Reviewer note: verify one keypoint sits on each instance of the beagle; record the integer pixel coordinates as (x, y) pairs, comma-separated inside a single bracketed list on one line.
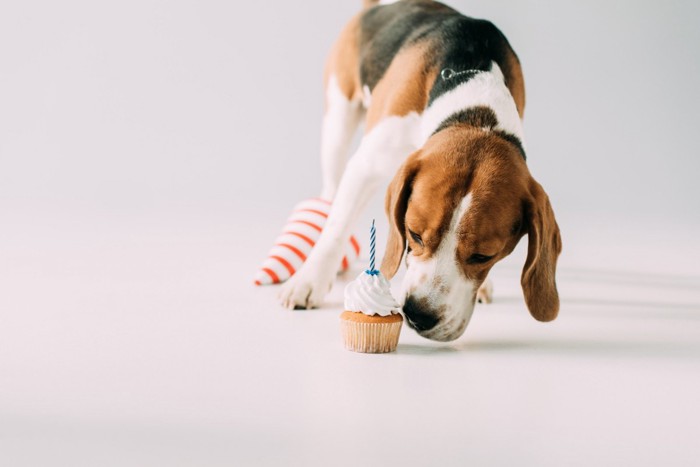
[(442, 98)]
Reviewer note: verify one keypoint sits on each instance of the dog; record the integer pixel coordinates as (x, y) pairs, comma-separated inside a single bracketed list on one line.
[(442, 97)]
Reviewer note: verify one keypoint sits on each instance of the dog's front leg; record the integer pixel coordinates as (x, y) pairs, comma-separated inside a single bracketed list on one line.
[(311, 283), (380, 153), (340, 122)]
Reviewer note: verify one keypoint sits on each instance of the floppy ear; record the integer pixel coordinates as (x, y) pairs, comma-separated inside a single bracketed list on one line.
[(544, 245), (396, 204)]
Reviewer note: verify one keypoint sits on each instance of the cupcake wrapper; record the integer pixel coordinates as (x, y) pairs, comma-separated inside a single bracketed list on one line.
[(370, 337)]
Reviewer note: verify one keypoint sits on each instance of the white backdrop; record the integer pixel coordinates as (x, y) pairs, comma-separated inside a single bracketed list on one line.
[(154, 106)]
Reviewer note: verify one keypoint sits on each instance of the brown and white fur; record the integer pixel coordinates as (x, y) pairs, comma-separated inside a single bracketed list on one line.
[(442, 97)]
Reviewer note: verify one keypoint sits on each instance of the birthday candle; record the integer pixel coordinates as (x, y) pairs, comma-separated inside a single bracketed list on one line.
[(372, 247)]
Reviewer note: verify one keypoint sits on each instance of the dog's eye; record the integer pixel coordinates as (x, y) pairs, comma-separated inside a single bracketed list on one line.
[(479, 259), (416, 238)]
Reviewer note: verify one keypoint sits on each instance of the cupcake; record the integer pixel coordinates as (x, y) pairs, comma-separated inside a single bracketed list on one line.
[(371, 322)]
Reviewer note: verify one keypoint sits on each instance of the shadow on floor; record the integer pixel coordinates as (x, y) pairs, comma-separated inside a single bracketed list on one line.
[(562, 348), (665, 310), (621, 277)]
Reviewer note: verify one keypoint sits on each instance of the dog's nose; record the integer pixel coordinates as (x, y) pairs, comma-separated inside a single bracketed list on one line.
[(419, 317)]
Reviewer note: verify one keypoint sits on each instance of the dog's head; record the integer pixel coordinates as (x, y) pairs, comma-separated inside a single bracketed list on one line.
[(460, 205)]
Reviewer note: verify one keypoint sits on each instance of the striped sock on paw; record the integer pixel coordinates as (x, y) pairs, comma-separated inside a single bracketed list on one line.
[(298, 237)]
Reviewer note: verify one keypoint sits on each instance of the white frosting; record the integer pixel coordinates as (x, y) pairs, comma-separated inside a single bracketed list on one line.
[(371, 295)]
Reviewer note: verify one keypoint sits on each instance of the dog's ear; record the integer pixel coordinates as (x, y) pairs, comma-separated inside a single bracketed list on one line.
[(544, 245), (396, 204)]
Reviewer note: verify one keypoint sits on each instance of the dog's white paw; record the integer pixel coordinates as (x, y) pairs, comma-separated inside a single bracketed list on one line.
[(305, 289), (485, 292)]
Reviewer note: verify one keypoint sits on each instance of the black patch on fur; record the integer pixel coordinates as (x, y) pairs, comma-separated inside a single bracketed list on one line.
[(386, 29), (469, 44), (481, 117), (461, 43)]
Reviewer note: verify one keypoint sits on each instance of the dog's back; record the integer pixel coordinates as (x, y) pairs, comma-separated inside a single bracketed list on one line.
[(449, 40)]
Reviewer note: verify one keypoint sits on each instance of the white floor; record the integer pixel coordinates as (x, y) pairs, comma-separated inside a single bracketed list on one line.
[(143, 343)]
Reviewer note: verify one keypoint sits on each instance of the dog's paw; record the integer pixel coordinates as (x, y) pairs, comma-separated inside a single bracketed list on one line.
[(304, 290), (485, 292)]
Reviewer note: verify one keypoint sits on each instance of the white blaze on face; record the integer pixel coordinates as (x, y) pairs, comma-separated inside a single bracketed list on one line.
[(440, 283)]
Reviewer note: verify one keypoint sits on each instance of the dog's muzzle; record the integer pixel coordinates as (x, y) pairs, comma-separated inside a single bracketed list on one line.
[(443, 323)]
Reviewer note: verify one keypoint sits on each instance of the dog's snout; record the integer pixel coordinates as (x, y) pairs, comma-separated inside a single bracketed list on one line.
[(419, 316)]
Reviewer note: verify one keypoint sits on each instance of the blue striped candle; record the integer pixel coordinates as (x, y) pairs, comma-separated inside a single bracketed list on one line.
[(372, 249)]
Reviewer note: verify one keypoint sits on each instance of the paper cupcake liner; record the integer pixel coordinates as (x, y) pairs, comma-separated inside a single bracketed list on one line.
[(370, 337)]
